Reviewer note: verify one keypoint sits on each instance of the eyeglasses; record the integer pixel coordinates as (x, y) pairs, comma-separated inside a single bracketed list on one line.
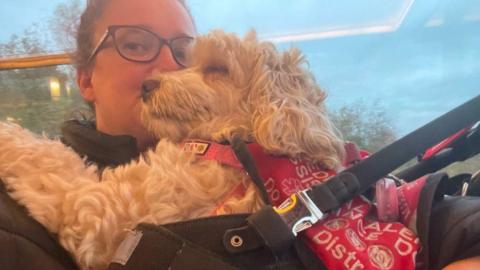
[(137, 44)]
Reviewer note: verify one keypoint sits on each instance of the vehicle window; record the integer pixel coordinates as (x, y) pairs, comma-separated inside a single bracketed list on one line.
[(388, 67), (41, 98)]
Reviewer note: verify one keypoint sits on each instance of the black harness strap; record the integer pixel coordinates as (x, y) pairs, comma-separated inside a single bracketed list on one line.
[(333, 194), (248, 162)]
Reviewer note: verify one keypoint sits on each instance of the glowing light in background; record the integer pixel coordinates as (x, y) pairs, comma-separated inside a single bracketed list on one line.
[(13, 120), (55, 92)]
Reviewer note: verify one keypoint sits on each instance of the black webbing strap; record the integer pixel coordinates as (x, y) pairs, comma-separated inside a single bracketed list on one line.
[(243, 155), (272, 229), (333, 193)]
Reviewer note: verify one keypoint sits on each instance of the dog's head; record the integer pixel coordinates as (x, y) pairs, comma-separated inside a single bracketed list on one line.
[(248, 88)]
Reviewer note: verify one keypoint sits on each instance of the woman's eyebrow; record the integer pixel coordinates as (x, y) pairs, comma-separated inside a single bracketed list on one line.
[(143, 26), (149, 28)]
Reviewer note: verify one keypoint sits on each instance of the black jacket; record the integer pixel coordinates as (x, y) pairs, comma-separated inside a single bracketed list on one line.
[(99, 148), (24, 243)]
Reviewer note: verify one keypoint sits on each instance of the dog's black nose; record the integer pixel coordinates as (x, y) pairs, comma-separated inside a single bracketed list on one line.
[(148, 87)]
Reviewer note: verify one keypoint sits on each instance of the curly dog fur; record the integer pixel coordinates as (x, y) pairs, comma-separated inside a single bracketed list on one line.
[(233, 86)]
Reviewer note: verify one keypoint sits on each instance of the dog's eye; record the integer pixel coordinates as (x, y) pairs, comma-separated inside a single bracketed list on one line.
[(216, 70)]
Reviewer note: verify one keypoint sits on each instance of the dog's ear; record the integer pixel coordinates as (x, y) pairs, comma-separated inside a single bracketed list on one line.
[(224, 53), (251, 36), (209, 50), (289, 116)]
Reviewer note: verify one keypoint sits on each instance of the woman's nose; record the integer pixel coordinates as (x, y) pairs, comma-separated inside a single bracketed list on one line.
[(148, 87)]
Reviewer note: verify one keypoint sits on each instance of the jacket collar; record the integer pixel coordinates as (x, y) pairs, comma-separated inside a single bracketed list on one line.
[(97, 147)]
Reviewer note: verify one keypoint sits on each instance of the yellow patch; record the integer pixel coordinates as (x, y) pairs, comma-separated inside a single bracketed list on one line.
[(198, 148)]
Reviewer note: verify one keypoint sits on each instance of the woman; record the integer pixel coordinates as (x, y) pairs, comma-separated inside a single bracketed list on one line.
[(111, 66)]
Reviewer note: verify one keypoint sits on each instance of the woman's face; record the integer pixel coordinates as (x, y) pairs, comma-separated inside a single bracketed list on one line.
[(114, 83)]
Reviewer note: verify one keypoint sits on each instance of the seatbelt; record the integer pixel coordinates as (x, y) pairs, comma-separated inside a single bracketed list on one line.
[(278, 226)]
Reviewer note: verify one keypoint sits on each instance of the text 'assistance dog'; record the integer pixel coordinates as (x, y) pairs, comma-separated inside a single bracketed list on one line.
[(233, 87)]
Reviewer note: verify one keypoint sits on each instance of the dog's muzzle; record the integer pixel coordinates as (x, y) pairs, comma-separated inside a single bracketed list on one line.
[(148, 87)]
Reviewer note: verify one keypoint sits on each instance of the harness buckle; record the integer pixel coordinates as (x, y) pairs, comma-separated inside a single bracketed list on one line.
[(299, 212)]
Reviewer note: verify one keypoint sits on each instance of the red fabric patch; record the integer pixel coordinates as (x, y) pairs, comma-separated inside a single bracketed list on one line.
[(350, 239), (284, 176)]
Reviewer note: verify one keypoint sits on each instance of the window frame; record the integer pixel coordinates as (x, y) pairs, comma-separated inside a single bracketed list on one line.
[(36, 61)]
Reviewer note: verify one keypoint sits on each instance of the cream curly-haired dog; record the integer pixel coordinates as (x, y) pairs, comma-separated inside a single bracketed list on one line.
[(234, 86)]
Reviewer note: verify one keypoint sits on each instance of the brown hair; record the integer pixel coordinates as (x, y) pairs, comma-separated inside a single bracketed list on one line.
[(86, 29)]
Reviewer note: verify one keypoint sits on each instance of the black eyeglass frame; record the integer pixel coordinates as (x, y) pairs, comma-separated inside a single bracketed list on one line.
[(111, 32)]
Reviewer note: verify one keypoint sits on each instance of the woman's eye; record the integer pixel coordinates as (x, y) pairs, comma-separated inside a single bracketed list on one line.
[(217, 70), (179, 54), (134, 46)]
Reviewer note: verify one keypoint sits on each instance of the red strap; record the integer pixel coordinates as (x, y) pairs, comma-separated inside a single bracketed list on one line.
[(443, 144), (213, 151)]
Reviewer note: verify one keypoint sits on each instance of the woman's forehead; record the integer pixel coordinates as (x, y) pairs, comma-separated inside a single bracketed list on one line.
[(167, 18)]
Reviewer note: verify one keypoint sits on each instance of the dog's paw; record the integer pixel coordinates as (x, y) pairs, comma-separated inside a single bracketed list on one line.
[(26, 154), (11, 133)]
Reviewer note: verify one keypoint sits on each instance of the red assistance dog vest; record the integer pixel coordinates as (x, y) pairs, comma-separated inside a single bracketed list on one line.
[(360, 235)]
